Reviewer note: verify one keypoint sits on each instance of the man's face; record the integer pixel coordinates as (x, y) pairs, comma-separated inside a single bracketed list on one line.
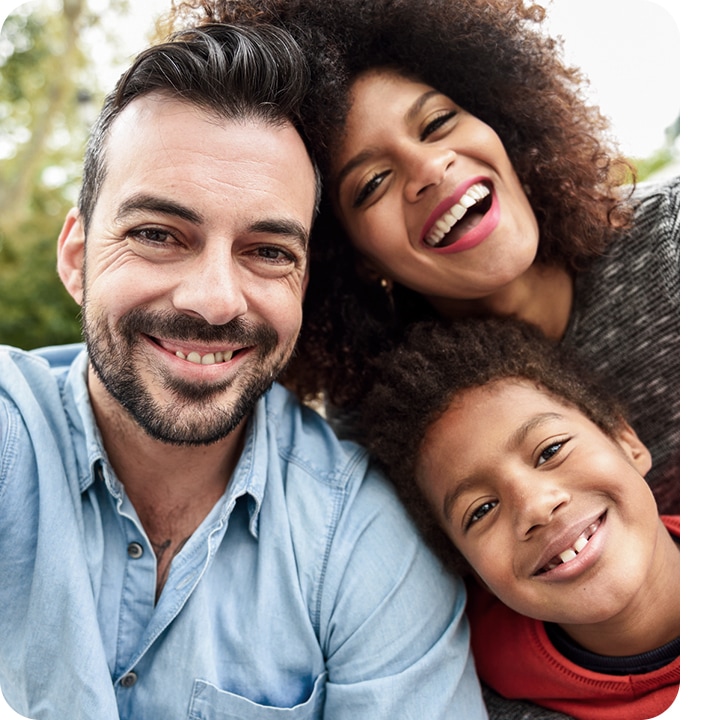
[(194, 266)]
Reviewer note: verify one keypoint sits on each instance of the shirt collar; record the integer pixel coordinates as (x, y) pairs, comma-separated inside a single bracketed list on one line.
[(249, 476)]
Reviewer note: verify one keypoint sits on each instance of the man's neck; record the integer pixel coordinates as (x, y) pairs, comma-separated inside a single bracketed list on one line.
[(171, 487)]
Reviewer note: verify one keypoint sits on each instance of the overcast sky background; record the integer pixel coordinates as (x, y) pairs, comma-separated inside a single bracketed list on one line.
[(630, 50)]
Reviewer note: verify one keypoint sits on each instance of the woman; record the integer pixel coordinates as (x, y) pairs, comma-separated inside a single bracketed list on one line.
[(425, 112)]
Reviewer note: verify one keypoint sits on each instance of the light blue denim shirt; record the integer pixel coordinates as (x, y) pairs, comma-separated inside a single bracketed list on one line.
[(305, 593)]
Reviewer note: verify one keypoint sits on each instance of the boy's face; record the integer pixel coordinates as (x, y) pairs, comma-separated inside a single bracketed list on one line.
[(554, 515)]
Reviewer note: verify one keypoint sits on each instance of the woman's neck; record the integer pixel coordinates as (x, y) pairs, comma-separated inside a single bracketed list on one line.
[(542, 296)]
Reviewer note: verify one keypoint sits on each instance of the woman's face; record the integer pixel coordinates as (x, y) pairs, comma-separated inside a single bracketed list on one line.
[(427, 192)]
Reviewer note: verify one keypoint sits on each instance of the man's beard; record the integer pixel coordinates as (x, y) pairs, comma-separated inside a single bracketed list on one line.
[(189, 417)]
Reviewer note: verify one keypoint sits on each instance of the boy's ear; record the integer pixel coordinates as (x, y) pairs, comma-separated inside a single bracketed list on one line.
[(71, 253), (634, 448)]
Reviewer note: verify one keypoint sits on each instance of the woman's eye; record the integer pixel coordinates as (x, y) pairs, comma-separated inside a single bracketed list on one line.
[(436, 123), (368, 189), (481, 511), (550, 451)]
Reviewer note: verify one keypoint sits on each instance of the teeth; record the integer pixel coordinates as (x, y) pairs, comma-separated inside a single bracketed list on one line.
[(207, 359), (442, 227), (580, 544), (572, 552)]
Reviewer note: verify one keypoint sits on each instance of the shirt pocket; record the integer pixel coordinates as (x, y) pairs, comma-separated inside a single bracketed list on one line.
[(210, 703)]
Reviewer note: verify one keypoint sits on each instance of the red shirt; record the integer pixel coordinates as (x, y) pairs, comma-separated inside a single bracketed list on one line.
[(515, 657)]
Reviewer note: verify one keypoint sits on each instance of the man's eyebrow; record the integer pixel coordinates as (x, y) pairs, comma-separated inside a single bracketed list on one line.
[(282, 226), (514, 441), (364, 155), (153, 203)]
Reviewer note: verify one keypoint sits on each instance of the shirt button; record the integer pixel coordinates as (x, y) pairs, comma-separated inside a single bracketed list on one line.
[(135, 550), (129, 680)]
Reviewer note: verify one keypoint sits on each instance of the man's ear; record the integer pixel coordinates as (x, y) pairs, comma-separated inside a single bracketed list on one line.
[(634, 448), (71, 254)]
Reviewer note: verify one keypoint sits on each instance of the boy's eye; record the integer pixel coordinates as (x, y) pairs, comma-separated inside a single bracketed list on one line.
[(436, 123), (550, 451), (480, 511)]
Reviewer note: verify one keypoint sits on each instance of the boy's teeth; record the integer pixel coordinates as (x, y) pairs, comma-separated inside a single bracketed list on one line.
[(580, 544), (570, 553)]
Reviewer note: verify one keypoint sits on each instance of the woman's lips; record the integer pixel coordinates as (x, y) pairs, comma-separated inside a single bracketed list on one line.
[(463, 220), (472, 198)]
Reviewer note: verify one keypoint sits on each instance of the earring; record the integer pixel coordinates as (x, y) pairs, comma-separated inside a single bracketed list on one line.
[(387, 285)]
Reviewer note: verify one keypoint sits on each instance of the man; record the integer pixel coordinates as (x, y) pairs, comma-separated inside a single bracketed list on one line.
[(178, 537)]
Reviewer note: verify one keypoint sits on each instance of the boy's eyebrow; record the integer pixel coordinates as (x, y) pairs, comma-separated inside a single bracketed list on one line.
[(521, 433), (515, 440)]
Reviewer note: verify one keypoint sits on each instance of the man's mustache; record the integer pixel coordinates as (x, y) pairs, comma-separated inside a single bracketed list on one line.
[(173, 326)]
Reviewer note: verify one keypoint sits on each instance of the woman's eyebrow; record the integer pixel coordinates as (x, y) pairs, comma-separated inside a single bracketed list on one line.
[(364, 155)]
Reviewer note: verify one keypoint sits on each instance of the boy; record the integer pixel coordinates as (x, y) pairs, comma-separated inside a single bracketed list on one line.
[(538, 481)]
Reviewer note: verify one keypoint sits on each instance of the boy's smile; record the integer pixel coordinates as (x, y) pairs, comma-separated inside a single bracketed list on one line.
[(553, 514)]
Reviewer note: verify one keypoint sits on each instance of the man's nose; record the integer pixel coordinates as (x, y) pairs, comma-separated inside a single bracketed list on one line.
[(213, 287)]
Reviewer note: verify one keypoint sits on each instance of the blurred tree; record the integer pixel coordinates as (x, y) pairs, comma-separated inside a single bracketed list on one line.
[(49, 95), (665, 159)]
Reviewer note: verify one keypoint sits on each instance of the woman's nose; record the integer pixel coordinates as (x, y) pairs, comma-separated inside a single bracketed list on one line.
[(427, 166)]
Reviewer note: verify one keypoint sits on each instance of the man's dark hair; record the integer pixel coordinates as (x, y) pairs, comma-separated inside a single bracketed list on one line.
[(416, 382), (232, 72)]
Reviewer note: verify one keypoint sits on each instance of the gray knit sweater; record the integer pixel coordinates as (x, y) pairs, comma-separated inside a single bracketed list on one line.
[(625, 323)]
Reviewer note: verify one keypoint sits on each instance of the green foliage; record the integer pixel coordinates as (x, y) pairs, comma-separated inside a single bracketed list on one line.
[(43, 127), (664, 157)]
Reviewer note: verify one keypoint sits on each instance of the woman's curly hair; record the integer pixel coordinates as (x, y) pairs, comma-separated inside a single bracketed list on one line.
[(494, 59), (416, 382)]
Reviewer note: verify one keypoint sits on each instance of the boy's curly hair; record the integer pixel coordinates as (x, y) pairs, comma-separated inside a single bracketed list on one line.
[(493, 58), (437, 360)]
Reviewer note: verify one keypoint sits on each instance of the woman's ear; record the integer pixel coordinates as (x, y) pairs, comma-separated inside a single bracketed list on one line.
[(634, 448), (367, 270), (71, 254)]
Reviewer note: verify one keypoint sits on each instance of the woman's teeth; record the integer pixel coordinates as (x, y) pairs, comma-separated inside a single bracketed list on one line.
[(473, 195), (207, 359)]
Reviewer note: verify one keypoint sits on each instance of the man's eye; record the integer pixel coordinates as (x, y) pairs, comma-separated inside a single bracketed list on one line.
[(550, 451), (436, 123), (150, 235), (368, 188), (275, 254)]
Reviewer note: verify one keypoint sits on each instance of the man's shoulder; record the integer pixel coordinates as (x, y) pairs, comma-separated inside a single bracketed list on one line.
[(50, 360), (306, 440)]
